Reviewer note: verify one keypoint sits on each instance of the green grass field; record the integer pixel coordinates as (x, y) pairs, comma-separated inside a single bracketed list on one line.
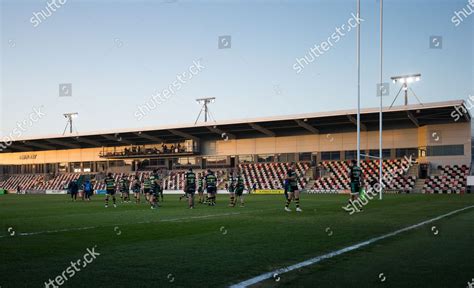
[(219, 246)]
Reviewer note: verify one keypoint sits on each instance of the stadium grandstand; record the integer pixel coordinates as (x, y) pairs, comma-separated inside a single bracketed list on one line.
[(321, 144)]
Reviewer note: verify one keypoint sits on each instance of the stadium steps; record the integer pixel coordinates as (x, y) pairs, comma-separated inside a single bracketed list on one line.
[(413, 171), (420, 183), (309, 185)]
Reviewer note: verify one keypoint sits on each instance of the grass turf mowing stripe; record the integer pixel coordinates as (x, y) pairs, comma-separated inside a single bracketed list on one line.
[(141, 222), (268, 275)]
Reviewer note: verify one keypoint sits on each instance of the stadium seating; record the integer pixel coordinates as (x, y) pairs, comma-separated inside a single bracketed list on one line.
[(452, 180), (25, 181), (338, 178), (271, 175)]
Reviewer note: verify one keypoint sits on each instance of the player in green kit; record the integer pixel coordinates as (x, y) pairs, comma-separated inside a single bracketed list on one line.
[(356, 178), (110, 189), (136, 188), (190, 186), (231, 188), (239, 189), (200, 189), (147, 187), (211, 187), (124, 189), (155, 189), (293, 192)]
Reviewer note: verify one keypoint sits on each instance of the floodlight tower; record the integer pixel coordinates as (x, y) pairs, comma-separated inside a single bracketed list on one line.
[(405, 80), (204, 102), (69, 117)]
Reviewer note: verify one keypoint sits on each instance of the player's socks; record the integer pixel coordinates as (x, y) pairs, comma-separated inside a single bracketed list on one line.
[(297, 202), (288, 201)]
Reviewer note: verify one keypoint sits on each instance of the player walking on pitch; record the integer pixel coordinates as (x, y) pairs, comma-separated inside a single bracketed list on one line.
[(293, 192), (200, 189), (190, 187), (211, 187), (356, 177), (110, 189), (231, 188), (239, 189), (136, 188)]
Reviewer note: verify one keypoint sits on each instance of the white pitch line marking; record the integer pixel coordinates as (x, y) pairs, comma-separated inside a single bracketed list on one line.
[(268, 275), (142, 222)]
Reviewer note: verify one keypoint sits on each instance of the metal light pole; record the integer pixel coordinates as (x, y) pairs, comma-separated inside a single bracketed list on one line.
[(358, 85), (381, 104), (204, 102), (69, 117)]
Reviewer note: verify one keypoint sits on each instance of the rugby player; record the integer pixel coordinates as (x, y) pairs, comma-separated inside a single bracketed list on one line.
[(190, 187), (239, 189), (110, 189), (211, 187), (231, 188), (356, 178), (200, 189), (136, 188), (147, 187), (125, 189), (293, 192)]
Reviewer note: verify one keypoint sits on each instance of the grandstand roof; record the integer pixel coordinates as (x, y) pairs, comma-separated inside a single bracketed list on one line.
[(398, 117)]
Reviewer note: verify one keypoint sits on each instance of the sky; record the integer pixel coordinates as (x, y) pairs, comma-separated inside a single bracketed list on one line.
[(117, 55)]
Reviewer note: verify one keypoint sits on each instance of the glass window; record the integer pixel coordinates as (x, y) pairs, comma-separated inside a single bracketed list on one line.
[(266, 158), (246, 159), (350, 155), (402, 152), (445, 150), (305, 156), (331, 156)]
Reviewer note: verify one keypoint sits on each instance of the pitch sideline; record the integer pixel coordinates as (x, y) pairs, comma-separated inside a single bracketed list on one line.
[(268, 275)]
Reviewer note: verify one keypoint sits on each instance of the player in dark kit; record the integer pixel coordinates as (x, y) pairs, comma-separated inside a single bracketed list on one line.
[(136, 188), (155, 189), (125, 189), (73, 189), (110, 188), (190, 187), (286, 186), (147, 188), (293, 192), (356, 178), (211, 187), (231, 188), (239, 189), (200, 189)]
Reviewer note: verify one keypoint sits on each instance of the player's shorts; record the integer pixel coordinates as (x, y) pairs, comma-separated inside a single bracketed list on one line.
[(211, 190), (239, 191), (231, 189), (355, 188), (110, 192), (190, 191), (146, 190), (200, 190), (136, 191), (292, 188)]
